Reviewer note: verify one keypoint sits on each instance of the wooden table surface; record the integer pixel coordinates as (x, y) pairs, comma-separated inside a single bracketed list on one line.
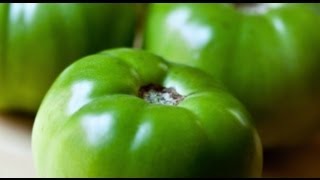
[(16, 156)]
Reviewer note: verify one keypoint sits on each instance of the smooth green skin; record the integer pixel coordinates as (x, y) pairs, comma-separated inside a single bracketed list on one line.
[(269, 60), (38, 40), (93, 124)]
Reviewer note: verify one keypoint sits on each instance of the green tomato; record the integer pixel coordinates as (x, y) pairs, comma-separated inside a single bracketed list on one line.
[(38, 40), (129, 113), (267, 55)]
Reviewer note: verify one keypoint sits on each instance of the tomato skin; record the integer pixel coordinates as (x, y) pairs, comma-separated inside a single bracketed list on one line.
[(269, 59), (38, 40), (92, 123)]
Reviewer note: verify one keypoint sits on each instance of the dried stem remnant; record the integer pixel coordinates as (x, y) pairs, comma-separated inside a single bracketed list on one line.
[(156, 94)]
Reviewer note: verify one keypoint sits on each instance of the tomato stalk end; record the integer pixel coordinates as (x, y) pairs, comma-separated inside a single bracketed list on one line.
[(156, 94)]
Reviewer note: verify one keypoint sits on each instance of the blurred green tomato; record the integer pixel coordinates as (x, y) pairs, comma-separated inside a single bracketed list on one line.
[(266, 54), (38, 40)]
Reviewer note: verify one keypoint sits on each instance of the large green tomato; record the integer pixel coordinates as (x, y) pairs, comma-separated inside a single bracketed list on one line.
[(129, 113), (38, 40), (267, 55)]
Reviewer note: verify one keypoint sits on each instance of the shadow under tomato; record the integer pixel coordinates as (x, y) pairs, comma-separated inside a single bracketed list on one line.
[(302, 161)]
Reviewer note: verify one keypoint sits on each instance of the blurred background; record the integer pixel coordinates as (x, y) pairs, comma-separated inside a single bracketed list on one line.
[(15, 146), (15, 129)]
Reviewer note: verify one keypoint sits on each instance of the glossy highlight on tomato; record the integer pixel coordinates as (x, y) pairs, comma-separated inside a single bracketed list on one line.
[(129, 113)]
